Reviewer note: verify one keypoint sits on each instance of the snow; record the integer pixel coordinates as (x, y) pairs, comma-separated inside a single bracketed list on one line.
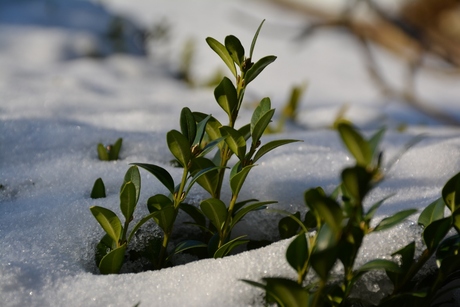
[(57, 104)]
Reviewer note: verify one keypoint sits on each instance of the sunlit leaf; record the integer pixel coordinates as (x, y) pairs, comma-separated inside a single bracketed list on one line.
[(108, 220), (297, 252), (249, 208), (451, 193), (112, 262), (407, 259), (188, 124), (433, 212), (355, 143), (235, 49), (226, 96), (258, 67), (327, 208), (357, 182), (194, 213), (114, 151), (371, 212), (435, 232), (186, 245), (162, 175), (254, 39), (208, 179), (179, 147), (237, 180), (270, 146), (259, 127), (200, 130), (379, 264), (105, 245), (375, 141), (158, 202), (215, 210), (289, 227), (98, 190), (324, 255), (223, 53), (165, 217), (234, 140), (226, 248), (212, 126), (203, 174), (395, 219), (128, 200), (133, 175)]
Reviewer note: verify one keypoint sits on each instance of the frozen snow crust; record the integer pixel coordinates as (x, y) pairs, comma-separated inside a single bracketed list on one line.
[(53, 112)]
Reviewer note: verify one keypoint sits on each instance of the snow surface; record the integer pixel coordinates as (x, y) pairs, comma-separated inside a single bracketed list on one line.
[(56, 105)]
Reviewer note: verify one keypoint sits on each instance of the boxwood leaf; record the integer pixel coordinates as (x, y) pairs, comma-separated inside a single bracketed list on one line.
[(254, 39), (215, 210), (451, 193), (202, 175), (258, 67), (270, 146), (133, 175), (263, 107), (162, 175), (328, 209), (103, 248), (226, 248), (108, 220), (371, 212), (188, 124), (433, 212), (375, 141), (407, 259), (395, 219), (186, 245), (324, 255), (297, 253), (249, 208), (260, 126), (179, 147), (194, 213), (289, 227), (98, 190), (235, 49), (200, 130), (380, 264), (102, 152), (128, 200), (223, 53), (112, 262), (436, 231), (356, 181), (234, 140), (208, 180), (114, 151), (226, 96), (165, 217), (356, 144), (238, 178)]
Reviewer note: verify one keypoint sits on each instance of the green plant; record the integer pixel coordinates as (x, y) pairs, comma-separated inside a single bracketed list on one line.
[(98, 190), (333, 230), (109, 152), (199, 135)]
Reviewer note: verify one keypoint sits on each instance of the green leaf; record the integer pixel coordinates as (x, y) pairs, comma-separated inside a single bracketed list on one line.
[(263, 107), (324, 255), (258, 67), (451, 193), (133, 175), (138, 225), (357, 182), (284, 292), (259, 127), (200, 131), (225, 249), (379, 264), (436, 231), (237, 180), (186, 245), (407, 259), (194, 213), (226, 96), (249, 208), (98, 190), (108, 220), (434, 212), (288, 227), (448, 248), (245, 131), (102, 152), (371, 212), (162, 175), (375, 140), (212, 126), (270, 146), (327, 208), (158, 202), (188, 124), (203, 173), (112, 262), (179, 147), (128, 200), (114, 151), (254, 39), (210, 146), (356, 144), (297, 253), (209, 179), (235, 49), (235, 141), (165, 217), (395, 219), (223, 53), (242, 204), (215, 210), (103, 248)]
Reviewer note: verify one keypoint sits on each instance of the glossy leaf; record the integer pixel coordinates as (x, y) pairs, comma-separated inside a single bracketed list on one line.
[(212, 126), (200, 131), (158, 202), (209, 179), (226, 248), (297, 253), (102, 152), (237, 180), (194, 213), (245, 131), (128, 200), (249, 208), (188, 124), (379, 264), (433, 212), (264, 149), (98, 190), (215, 210), (436, 231), (242, 204), (235, 49), (133, 175), (325, 207), (203, 173), (357, 182), (210, 146), (105, 245), (451, 193), (112, 262), (186, 245), (324, 255), (226, 96), (395, 219), (263, 107), (109, 221), (261, 125), (165, 217), (258, 67), (234, 140), (356, 144), (254, 39), (160, 173), (179, 147), (223, 53)]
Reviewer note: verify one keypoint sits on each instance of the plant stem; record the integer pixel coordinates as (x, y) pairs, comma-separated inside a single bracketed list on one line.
[(227, 227)]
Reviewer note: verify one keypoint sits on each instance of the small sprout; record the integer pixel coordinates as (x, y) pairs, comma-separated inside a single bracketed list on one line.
[(109, 152), (98, 190)]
